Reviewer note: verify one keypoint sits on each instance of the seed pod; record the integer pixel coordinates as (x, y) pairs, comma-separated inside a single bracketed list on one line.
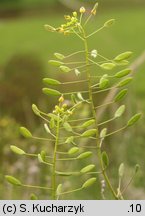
[(88, 123), (134, 119), (121, 170), (59, 190), (12, 180), (122, 63), (47, 128), (94, 10), (105, 159), (59, 56), (109, 23), (103, 133), (89, 133), (77, 72), (25, 132), (73, 150), (17, 150), (49, 91), (89, 182), (137, 167), (51, 81), (103, 83), (35, 110), (43, 155), (80, 96), (33, 197), (52, 123), (119, 111), (65, 69), (120, 95), (40, 159), (69, 139), (49, 28), (84, 155), (107, 66), (55, 63), (124, 82), (87, 168), (73, 98), (64, 173), (123, 73), (67, 126), (123, 56)]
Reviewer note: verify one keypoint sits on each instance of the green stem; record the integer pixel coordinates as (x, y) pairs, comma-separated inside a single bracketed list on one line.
[(36, 187), (53, 194), (95, 117)]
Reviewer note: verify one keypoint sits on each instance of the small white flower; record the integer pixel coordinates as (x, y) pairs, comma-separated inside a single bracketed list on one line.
[(94, 53)]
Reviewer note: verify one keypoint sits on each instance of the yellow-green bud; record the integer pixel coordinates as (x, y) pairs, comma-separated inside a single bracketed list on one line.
[(67, 17), (64, 106), (75, 14), (61, 99), (82, 10)]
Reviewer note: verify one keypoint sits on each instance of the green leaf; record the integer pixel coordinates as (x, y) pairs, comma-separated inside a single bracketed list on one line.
[(49, 91), (35, 110), (51, 81), (109, 23), (108, 66), (89, 133), (33, 197), (25, 132), (85, 155), (73, 150), (88, 123), (17, 150), (12, 180), (123, 73), (121, 170), (67, 127), (123, 56), (120, 95), (119, 111), (103, 133), (89, 183), (105, 159), (124, 82), (55, 63), (59, 56), (134, 119), (58, 189), (87, 168), (65, 69)]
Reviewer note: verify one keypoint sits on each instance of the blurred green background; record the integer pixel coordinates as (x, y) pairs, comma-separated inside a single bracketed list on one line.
[(25, 48)]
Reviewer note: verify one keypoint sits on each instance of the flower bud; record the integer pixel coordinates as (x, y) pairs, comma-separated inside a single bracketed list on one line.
[(61, 99), (82, 10), (75, 14)]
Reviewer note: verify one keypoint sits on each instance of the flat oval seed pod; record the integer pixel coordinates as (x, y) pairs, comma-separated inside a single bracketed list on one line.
[(88, 123), (65, 69), (123, 73), (124, 82), (105, 159), (25, 132), (123, 56), (89, 182), (85, 155), (40, 159), (119, 111), (67, 126), (51, 81), (63, 173), (120, 95), (134, 119), (89, 133), (73, 150), (87, 168), (49, 28), (49, 91), (35, 110), (108, 66), (103, 133), (12, 180), (59, 56), (121, 170), (109, 23), (69, 139), (103, 83), (17, 150), (59, 190), (55, 63)]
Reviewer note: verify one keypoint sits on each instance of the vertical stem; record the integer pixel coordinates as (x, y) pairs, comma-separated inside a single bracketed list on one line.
[(99, 153), (53, 178)]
